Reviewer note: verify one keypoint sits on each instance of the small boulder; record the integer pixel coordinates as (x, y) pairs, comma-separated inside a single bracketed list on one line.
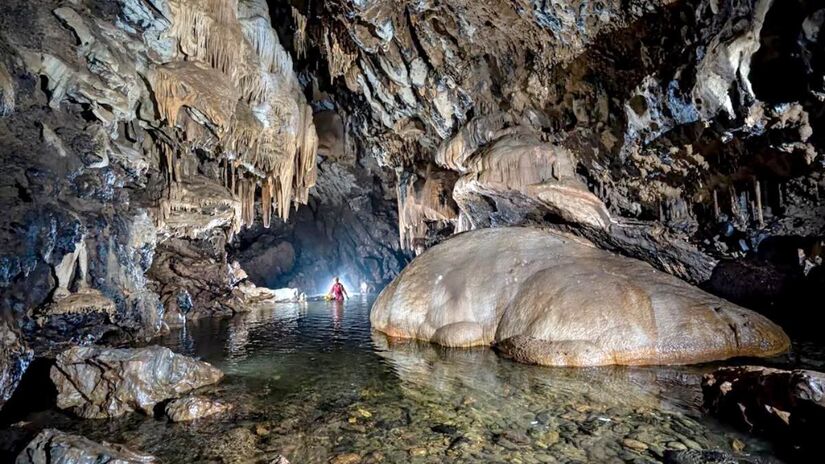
[(54, 446), (193, 407), (96, 382)]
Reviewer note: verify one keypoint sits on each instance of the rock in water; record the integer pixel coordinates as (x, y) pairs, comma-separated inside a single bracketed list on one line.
[(56, 447), (787, 406), (551, 299), (96, 382), (193, 407), (15, 358)]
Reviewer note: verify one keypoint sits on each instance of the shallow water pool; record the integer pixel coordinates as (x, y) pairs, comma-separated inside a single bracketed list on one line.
[(313, 383)]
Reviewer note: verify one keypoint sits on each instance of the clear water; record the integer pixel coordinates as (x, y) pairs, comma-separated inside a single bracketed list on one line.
[(313, 383)]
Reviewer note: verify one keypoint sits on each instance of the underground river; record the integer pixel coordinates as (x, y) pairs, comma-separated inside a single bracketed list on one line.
[(313, 383)]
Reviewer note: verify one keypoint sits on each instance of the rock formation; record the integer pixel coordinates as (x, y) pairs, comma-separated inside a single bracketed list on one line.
[(786, 406), (133, 125), (109, 382), (54, 446), (15, 357), (193, 407), (681, 146), (551, 299)]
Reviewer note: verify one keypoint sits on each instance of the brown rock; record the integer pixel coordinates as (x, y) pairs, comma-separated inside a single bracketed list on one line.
[(193, 407), (348, 458), (551, 299), (96, 382), (54, 446), (634, 444)]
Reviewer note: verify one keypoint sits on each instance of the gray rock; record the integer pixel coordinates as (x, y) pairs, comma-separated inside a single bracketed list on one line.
[(15, 358), (97, 382), (55, 447), (193, 407)]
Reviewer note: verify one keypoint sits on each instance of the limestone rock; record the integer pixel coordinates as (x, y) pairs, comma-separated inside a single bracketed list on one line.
[(54, 446), (552, 299), (523, 175), (193, 407), (15, 358), (95, 382), (86, 301), (787, 406)]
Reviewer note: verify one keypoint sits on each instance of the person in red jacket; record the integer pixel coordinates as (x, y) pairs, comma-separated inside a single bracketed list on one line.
[(338, 292)]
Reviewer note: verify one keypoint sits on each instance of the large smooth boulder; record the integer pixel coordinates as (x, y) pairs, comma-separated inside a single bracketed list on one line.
[(55, 447), (96, 382), (787, 406), (551, 299)]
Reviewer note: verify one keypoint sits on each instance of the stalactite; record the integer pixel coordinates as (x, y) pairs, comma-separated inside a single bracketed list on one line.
[(242, 100), (266, 201), (420, 201), (300, 37), (340, 61)]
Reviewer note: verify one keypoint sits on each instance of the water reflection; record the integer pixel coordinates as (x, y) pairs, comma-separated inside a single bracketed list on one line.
[(320, 383)]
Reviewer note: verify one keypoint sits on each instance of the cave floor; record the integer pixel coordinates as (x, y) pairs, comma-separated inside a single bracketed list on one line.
[(313, 383)]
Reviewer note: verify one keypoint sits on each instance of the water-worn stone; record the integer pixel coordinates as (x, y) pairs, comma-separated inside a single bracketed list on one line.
[(787, 406), (55, 447), (95, 382), (551, 299), (193, 407)]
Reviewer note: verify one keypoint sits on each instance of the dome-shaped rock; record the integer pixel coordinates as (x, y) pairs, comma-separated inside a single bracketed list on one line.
[(551, 299)]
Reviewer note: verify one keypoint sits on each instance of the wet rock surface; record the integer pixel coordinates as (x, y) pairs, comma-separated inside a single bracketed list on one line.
[(193, 407), (564, 303), (109, 382), (15, 358), (787, 406), (54, 446)]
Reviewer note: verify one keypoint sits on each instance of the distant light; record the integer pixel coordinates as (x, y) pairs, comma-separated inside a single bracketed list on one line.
[(364, 287)]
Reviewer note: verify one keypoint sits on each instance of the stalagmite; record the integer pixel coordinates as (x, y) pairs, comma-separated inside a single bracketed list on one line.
[(75, 261), (716, 212), (734, 202), (758, 194)]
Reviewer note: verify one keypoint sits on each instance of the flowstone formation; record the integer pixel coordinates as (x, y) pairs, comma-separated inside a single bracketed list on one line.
[(555, 300)]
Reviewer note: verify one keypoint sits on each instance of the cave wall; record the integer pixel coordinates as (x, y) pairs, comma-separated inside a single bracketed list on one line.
[(138, 138), (684, 133)]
